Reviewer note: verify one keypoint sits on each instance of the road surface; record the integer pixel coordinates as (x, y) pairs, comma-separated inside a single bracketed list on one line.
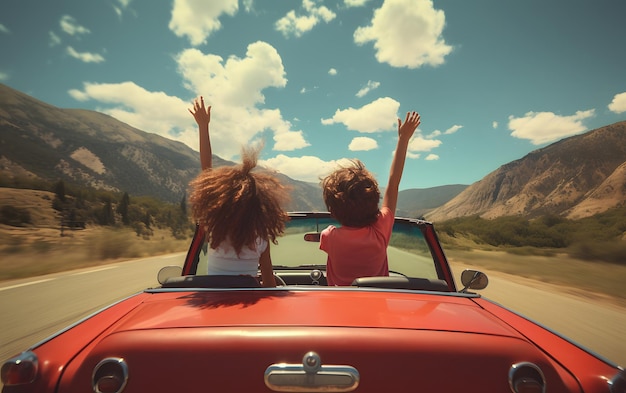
[(32, 309)]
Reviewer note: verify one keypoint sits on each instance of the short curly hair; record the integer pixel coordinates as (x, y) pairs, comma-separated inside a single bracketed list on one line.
[(238, 204), (351, 195)]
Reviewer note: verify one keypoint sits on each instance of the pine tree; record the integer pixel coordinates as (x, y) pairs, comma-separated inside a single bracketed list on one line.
[(122, 208)]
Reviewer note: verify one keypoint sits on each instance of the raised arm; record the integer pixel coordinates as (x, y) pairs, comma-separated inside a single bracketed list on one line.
[(203, 118), (405, 132)]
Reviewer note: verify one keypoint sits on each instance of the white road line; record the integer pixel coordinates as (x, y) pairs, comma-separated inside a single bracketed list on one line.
[(25, 284), (94, 270)]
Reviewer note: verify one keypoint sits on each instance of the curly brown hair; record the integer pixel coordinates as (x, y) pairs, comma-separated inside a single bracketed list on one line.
[(235, 203), (351, 195)]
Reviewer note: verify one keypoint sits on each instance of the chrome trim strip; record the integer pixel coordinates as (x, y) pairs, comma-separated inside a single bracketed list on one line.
[(304, 288)]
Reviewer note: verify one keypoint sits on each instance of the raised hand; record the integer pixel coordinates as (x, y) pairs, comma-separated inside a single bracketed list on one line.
[(201, 113), (411, 122)]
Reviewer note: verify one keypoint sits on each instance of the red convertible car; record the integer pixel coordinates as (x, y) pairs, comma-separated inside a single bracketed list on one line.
[(413, 331)]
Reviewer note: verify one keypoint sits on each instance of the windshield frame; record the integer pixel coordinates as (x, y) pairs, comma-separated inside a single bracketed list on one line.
[(322, 220)]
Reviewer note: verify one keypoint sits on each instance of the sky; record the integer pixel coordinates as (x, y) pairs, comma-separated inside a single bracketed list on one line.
[(323, 81)]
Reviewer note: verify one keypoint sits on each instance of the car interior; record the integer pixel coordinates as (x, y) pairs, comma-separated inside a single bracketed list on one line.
[(298, 261)]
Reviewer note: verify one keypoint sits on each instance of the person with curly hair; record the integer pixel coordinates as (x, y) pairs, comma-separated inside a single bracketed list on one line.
[(239, 209), (358, 248)]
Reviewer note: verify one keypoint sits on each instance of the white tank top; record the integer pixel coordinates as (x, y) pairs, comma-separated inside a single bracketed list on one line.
[(225, 261)]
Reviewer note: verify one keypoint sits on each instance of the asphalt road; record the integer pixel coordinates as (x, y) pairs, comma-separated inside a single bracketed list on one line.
[(33, 309)]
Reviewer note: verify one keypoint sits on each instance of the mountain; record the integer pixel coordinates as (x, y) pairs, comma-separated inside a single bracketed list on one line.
[(417, 202), (575, 177), (88, 148)]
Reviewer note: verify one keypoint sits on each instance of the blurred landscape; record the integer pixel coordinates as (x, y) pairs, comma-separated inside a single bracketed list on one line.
[(582, 256), (79, 188)]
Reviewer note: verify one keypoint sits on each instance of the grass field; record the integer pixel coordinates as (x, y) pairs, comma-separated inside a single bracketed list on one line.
[(578, 276), (28, 252)]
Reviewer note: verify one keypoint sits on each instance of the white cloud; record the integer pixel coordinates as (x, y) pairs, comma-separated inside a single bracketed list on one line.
[(85, 57), (419, 143), (54, 39), (449, 131), (431, 157), (452, 129), (248, 5), (412, 155), (293, 24), (406, 33), (196, 20), (306, 90), (362, 143), (236, 81), (4, 29), (304, 168), (354, 3), (332, 71), (371, 85), (285, 139), (235, 87), (545, 127), (290, 140), (123, 6), (379, 115), (4, 76), (618, 105), (71, 27), (494, 124)]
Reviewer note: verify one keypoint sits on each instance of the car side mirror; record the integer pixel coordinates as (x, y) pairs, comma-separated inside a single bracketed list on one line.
[(168, 272), (473, 279)]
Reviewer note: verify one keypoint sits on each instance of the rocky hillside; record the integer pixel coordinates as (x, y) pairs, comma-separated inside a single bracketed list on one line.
[(92, 149), (417, 202), (575, 177)]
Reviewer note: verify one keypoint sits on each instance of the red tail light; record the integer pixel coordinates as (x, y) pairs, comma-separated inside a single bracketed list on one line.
[(618, 383), (20, 370)]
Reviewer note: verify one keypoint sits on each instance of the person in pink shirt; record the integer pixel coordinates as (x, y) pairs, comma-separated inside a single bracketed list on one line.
[(358, 248)]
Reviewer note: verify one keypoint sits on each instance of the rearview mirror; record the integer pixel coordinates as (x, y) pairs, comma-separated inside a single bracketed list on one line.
[(473, 279), (312, 237)]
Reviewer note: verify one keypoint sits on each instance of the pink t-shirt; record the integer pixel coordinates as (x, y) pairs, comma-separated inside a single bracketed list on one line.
[(357, 252)]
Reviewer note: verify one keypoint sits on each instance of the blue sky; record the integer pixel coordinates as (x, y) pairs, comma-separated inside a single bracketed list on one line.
[(323, 81)]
